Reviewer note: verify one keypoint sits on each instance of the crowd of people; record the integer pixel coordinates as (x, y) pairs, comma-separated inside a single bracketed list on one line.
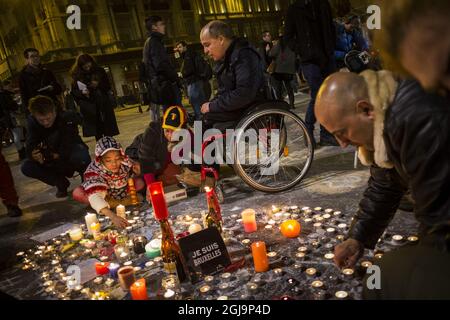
[(399, 125)]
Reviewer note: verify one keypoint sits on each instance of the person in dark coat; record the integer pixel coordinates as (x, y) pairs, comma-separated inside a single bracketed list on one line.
[(35, 79), (164, 84), (402, 134), (348, 38), (264, 47), (92, 92), (191, 69), (55, 149), (239, 74), (309, 31), (284, 70)]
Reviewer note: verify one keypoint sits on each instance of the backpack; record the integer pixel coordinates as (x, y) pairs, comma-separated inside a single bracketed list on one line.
[(204, 70)]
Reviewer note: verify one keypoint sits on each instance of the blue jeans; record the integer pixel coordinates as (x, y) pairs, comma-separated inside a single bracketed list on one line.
[(314, 76), (196, 94), (55, 173)]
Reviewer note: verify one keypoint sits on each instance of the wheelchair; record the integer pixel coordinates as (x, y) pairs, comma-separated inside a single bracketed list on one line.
[(272, 150)]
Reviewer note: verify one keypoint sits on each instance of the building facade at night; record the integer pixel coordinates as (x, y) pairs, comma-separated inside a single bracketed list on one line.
[(113, 31)]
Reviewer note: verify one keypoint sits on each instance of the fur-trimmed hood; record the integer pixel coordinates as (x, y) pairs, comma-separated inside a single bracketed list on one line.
[(382, 87)]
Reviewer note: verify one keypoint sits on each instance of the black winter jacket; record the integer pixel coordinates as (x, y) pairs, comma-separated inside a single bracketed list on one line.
[(240, 79), (59, 138), (417, 138), (310, 32), (31, 80), (189, 68)]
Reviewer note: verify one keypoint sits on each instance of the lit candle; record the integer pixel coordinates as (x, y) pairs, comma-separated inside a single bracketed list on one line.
[(341, 294), (413, 238), (348, 272), (153, 248), (290, 228), (195, 227), (329, 256), (366, 264), (138, 290), (113, 268), (120, 250), (260, 259), (95, 229), (101, 268), (317, 284), (249, 220), (139, 244), (90, 218), (126, 277), (311, 271), (76, 234), (158, 201), (204, 289), (272, 254)]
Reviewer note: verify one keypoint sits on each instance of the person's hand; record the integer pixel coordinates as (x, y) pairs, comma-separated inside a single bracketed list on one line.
[(205, 107), (347, 253), (136, 168), (94, 83), (119, 222), (55, 156), (86, 93), (267, 47), (37, 156)]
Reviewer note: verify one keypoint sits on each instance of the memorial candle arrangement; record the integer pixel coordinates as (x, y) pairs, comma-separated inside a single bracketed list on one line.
[(260, 259), (158, 201), (249, 220), (138, 290)]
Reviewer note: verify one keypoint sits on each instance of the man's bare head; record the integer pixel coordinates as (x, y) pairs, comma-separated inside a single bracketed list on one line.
[(343, 108)]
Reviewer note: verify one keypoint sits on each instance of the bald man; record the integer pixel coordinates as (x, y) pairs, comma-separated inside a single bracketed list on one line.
[(403, 134)]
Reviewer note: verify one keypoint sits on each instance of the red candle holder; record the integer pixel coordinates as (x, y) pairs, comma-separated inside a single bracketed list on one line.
[(158, 201), (101, 268)]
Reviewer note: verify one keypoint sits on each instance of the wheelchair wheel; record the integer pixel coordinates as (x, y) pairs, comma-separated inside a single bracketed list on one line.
[(273, 150)]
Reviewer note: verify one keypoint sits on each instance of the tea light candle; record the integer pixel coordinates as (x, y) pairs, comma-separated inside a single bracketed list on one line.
[(342, 225), (204, 289), (188, 218), (209, 278), (76, 234), (272, 254), (341, 294), (278, 216), (129, 229), (120, 211), (169, 294), (101, 268), (268, 227), (246, 241), (138, 290), (275, 209), (90, 218), (337, 213), (326, 216), (249, 220), (413, 238), (226, 275), (378, 255), (260, 260), (153, 248), (331, 230), (311, 271), (271, 222), (222, 298), (317, 284), (149, 264), (194, 227), (318, 209), (329, 256), (348, 272), (328, 210), (109, 282), (317, 225), (98, 280), (126, 277), (290, 228), (128, 263), (340, 237), (113, 268), (104, 258), (223, 286), (252, 286), (300, 254), (366, 264), (397, 238), (302, 249)]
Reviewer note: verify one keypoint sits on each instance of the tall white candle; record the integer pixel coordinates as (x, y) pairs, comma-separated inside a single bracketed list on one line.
[(90, 218)]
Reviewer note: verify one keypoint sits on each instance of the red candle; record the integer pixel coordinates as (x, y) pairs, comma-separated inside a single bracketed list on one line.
[(138, 290), (249, 220), (158, 201), (260, 259), (101, 268)]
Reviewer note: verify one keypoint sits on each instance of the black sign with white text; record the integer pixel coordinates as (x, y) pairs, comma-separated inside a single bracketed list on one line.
[(204, 252)]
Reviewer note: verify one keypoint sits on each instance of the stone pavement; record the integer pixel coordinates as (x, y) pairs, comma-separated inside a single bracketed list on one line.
[(331, 182)]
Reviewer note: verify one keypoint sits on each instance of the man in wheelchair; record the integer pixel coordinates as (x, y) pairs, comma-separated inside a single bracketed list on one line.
[(239, 73)]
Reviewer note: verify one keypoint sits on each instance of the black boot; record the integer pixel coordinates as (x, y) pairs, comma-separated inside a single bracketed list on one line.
[(13, 211), (61, 187)]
